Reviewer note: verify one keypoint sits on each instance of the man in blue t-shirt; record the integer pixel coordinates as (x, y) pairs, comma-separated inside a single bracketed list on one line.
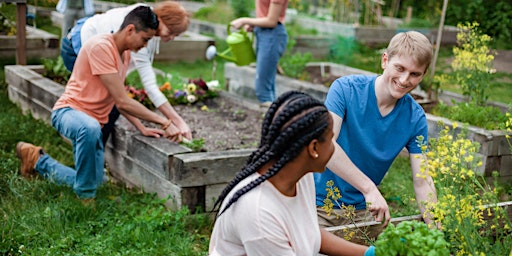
[(374, 119)]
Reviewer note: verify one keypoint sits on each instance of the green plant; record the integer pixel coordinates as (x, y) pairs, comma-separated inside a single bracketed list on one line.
[(411, 238), (7, 27), (211, 13), (293, 64), (55, 70), (242, 8), (196, 145), (466, 208), (487, 117)]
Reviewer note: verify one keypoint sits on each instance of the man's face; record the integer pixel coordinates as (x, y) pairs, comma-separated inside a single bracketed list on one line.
[(139, 40), (402, 74)]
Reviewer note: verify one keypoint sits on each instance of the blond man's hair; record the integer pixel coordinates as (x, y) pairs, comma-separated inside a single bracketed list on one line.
[(413, 44), (173, 15)]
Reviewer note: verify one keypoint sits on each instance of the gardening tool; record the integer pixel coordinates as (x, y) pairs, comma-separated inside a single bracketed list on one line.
[(240, 49)]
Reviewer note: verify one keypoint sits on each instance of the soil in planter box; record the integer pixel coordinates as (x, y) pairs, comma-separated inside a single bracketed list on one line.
[(314, 75), (225, 125)]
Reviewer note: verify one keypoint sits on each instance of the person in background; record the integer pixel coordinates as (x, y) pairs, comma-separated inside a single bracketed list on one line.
[(174, 20), (375, 117), (95, 85), (73, 10), (269, 207), (271, 41)]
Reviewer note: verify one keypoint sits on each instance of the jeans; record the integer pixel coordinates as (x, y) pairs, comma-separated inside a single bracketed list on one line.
[(67, 53), (270, 46), (71, 44), (86, 137)]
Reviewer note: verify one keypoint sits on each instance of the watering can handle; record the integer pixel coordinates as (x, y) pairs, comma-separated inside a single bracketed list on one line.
[(241, 31)]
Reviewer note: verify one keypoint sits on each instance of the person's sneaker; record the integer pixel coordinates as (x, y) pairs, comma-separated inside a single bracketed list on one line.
[(28, 154), (88, 202)]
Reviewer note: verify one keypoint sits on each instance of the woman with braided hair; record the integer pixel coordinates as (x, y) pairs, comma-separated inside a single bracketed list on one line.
[(269, 207)]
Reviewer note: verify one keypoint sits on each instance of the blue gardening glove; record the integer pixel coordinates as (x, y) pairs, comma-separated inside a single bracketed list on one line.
[(370, 251)]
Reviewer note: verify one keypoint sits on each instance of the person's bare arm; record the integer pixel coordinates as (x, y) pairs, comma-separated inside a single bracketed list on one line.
[(128, 106), (269, 21), (423, 186), (342, 166), (334, 245), (146, 131)]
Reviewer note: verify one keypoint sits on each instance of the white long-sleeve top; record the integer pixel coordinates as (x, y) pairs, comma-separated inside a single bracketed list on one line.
[(110, 22)]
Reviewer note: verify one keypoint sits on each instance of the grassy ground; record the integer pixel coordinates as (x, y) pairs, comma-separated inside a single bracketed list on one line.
[(41, 218)]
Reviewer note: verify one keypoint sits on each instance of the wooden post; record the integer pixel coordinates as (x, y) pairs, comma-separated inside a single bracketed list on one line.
[(409, 15), (21, 22)]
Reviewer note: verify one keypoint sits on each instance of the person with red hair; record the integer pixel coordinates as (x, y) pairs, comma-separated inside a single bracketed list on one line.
[(174, 20)]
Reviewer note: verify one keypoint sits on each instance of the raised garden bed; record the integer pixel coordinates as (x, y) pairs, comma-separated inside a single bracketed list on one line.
[(373, 229), (39, 44), (159, 166), (494, 149)]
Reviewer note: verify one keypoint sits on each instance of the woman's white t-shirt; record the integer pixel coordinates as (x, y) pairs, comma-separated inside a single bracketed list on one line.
[(266, 222)]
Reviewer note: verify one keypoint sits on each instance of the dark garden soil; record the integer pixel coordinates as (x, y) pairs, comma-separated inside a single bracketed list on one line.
[(224, 125)]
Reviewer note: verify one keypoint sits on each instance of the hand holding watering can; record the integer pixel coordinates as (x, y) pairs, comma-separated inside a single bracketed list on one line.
[(240, 49)]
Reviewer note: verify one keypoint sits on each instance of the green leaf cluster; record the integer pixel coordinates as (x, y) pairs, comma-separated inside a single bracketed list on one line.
[(487, 117), (411, 238), (55, 70)]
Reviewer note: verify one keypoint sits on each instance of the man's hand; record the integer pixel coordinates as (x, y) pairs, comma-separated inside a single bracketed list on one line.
[(152, 132), (184, 130), (378, 206), (173, 134)]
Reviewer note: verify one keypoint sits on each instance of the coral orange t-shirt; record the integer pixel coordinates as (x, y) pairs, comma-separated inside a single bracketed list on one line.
[(262, 7), (85, 92)]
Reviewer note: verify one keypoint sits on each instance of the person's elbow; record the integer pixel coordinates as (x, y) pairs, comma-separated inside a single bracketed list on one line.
[(123, 104)]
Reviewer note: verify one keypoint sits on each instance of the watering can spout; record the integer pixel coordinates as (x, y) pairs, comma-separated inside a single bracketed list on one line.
[(211, 52)]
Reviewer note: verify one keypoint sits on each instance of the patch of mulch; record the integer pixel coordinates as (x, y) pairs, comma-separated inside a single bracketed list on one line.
[(224, 125)]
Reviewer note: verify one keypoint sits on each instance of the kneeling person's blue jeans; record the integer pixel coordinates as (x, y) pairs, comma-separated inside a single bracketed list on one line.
[(85, 134), (67, 53)]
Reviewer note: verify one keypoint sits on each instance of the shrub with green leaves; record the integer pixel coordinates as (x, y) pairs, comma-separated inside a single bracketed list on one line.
[(411, 238), (487, 117)]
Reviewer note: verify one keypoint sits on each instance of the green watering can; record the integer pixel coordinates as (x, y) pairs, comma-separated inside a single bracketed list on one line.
[(240, 49)]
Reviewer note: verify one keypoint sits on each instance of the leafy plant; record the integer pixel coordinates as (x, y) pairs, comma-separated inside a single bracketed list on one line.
[(487, 117), (197, 145), (411, 238), (55, 70), (7, 27)]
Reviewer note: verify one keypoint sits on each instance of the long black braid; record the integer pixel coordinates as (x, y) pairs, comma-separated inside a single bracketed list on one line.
[(291, 122)]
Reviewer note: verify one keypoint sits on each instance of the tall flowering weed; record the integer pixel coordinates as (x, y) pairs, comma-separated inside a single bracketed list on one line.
[(466, 208), (473, 62)]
